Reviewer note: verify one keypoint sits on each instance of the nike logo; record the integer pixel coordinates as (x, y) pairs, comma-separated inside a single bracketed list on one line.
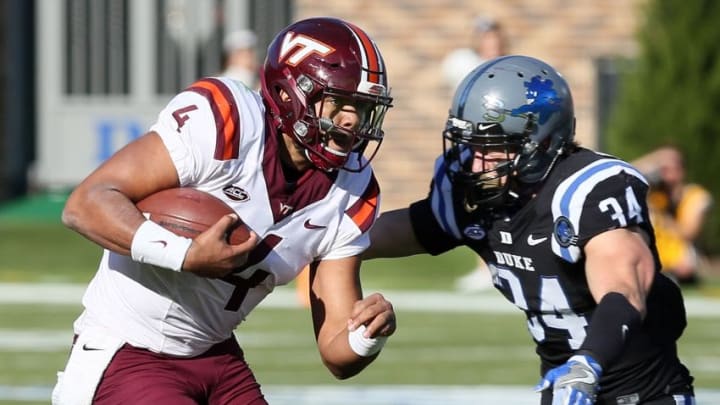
[(625, 330), (308, 225), (586, 378), (88, 348), (532, 241), (485, 127), (162, 242)]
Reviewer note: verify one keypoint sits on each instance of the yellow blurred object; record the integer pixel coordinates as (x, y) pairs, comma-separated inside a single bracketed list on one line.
[(677, 211), (673, 250), (658, 200), (675, 247)]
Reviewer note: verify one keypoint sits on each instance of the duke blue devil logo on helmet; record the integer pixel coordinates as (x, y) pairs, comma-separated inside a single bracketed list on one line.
[(544, 100)]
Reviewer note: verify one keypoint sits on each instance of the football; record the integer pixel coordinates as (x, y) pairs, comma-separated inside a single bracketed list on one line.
[(188, 212)]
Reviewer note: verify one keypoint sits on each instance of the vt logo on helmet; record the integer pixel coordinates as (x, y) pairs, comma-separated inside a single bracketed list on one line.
[(302, 47)]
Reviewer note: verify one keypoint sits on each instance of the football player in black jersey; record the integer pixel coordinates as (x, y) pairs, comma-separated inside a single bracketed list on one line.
[(565, 231)]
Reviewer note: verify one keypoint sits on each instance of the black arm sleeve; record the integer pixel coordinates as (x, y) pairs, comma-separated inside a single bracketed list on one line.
[(427, 230), (613, 321)]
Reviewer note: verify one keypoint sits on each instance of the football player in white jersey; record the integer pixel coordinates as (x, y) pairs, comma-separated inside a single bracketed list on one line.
[(566, 234), (293, 162)]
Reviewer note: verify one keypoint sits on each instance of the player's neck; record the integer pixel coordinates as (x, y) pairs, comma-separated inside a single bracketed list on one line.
[(292, 156)]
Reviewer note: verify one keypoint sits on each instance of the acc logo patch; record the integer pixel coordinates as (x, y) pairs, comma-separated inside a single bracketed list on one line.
[(564, 232), (236, 193), (475, 232)]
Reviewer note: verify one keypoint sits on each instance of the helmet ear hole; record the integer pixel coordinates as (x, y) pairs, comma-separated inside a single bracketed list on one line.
[(282, 94)]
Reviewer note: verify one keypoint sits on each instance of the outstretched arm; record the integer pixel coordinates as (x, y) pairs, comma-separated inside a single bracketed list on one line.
[(393, 236)]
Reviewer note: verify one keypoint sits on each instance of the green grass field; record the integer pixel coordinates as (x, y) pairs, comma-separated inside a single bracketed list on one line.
[(429, 348)]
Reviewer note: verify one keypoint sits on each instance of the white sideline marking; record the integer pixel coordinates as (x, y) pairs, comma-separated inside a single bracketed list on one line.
[(400, 394), (285, 297), (371, 394), (41, 293), (36, 340)]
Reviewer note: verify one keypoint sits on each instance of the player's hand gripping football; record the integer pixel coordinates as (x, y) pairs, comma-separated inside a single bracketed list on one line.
[(210, 254), (573, 383)]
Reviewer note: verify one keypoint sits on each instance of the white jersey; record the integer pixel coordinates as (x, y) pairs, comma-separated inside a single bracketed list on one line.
[(217, 137)]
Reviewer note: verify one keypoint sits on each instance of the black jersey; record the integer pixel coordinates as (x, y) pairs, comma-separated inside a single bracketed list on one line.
[(535, 254)]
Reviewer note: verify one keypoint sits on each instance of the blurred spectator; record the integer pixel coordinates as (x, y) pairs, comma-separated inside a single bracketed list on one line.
[(678, 211), (240, 57), (487, 41)]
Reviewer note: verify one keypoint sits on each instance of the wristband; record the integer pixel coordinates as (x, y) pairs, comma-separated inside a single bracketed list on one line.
[(153, 244), (363, 346)]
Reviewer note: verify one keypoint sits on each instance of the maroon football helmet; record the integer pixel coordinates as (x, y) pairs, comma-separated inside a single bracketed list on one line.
[(320, 58)]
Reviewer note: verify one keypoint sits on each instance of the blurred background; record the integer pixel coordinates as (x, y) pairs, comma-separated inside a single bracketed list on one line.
[(81, 78)]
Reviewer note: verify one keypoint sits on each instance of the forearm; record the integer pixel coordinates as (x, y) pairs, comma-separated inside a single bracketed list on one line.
[(619, 282), (392, 236), (340, 313), (339, 357), (102, 208), (613, 322), (104, 216)]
